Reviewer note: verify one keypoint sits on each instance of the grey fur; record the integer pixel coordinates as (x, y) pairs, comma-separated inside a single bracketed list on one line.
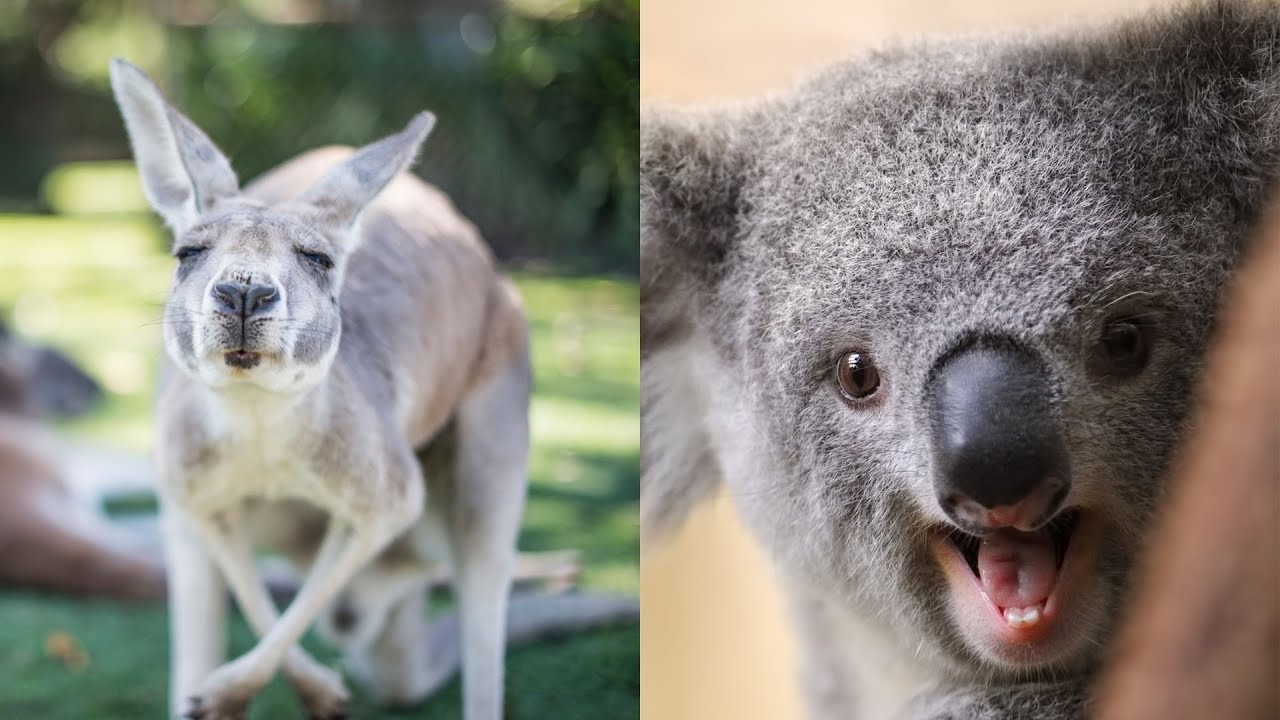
[(902, 203)]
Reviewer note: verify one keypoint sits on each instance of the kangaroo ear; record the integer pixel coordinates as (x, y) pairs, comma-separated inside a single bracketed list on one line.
[(343, 192), (183, 172), (691, 176)]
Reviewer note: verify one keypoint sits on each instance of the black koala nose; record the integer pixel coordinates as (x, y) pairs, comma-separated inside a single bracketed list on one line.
[(244, 299), (1001, 459)]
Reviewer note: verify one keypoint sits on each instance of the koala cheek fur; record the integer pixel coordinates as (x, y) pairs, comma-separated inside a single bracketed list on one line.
[(1028, 192)]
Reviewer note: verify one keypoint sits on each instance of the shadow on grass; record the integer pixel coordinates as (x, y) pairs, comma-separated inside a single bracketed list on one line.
[(598, 515), (67, 659)]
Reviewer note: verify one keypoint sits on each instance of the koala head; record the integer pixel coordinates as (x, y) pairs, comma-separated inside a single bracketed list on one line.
[(254, 297), (935, 318)]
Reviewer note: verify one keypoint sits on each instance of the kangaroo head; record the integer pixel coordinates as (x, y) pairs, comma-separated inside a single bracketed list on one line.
[(255, 295)]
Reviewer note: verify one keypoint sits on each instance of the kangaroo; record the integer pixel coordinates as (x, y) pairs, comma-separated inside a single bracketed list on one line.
[(40, 380), (51, 540), (54, 539), (330, 332)]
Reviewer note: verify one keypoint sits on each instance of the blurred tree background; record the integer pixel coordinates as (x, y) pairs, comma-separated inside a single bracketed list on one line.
[(538, 100)]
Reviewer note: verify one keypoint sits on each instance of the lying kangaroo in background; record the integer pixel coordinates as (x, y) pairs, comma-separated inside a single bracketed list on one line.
[(39, 380), (327, 346), (50, 539)]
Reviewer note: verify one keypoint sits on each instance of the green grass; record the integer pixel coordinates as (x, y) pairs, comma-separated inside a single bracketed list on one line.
[(93, 286)]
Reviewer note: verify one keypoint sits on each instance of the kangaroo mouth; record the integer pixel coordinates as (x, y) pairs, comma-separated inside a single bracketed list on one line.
[(243, 359), (1017, 591)]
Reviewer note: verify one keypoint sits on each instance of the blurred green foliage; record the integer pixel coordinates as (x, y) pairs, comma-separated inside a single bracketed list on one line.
[(538, 135)]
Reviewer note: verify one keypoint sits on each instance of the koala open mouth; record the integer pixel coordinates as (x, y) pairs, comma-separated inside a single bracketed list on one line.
[(1013, 585), (1018, 569)]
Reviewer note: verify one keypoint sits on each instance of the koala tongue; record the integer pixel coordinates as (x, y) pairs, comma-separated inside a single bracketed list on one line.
[(1017, 569)]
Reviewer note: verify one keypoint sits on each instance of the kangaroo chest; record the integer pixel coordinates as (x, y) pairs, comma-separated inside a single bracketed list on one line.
[(252, 452)]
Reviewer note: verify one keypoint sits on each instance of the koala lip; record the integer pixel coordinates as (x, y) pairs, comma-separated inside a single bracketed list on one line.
[(1060, 529), (1020, 616)]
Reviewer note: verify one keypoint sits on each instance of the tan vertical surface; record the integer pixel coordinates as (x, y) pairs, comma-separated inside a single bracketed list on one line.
[(714, 640), (713, 643)]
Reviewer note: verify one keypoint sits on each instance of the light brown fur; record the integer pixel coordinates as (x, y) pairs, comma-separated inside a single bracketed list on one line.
[(50, 539), (51, 543)]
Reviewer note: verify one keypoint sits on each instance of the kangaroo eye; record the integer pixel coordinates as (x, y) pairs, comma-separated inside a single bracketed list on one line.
[(857, 376), (1123, 348), (318, 259), (188, 252)]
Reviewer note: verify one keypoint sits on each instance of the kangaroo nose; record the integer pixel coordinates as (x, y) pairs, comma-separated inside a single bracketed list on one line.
[(244, 299), (1001, 459)]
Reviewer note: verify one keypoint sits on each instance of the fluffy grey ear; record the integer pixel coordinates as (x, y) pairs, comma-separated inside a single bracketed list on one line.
[(343, 192), (691, 175), (183, 172), (692, 169), (691, 172)]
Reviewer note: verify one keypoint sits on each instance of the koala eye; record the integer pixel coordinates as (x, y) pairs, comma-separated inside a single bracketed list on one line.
[(188, 252), (318, 259), (857, 376), (1123, 348)]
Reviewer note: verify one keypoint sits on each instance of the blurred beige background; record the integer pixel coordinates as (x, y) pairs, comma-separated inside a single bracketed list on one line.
[(714, 639)]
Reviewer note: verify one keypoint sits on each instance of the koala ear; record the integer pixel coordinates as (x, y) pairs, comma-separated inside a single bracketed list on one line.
[(343, 192), (183, 172), (691, 171)]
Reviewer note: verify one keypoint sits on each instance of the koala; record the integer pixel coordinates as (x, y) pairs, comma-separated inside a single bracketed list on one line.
[(935, 319)]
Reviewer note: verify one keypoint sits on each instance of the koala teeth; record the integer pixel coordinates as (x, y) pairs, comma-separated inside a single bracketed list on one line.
[(1022, 617)]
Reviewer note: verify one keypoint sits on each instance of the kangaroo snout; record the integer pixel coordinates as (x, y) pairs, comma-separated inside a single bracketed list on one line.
[(1001, 459), (247, 300)]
